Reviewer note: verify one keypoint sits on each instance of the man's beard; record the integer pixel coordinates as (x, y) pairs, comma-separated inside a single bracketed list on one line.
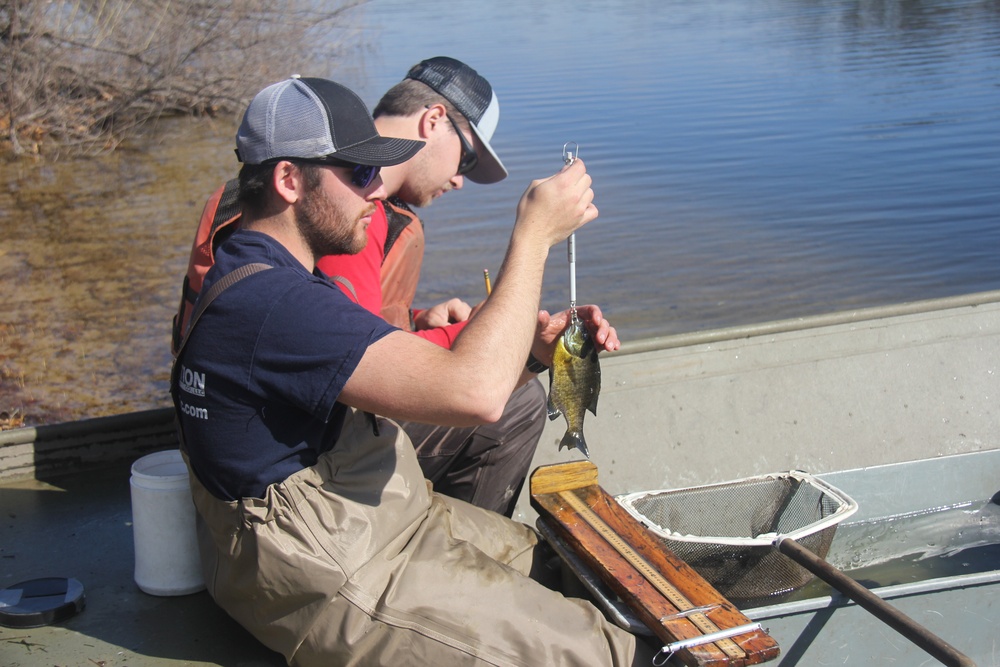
[(326, 230)]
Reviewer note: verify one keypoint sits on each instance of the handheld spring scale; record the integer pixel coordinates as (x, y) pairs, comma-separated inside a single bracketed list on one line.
[(571, 150)]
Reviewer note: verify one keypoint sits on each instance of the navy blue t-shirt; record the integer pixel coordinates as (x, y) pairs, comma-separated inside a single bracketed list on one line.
[(259, 377)]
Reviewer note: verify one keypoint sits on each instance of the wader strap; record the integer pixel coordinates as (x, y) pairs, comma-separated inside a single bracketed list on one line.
[(346, 283), (224, 283), (215, 290)]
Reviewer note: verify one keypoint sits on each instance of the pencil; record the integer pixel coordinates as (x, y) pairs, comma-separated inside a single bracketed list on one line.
[(486, 275)]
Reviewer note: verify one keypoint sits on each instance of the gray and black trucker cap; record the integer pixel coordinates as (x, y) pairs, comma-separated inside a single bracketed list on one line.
[(311, 118), (474, 98)]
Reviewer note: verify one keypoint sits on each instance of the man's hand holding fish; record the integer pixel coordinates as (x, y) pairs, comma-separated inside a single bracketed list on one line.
[(551, 327), (573, 338)]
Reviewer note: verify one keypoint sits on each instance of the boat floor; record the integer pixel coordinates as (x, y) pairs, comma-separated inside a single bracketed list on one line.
[(87, 536), (80, 527)]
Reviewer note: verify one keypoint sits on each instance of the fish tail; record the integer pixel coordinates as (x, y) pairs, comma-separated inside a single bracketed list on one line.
[(574, 439)]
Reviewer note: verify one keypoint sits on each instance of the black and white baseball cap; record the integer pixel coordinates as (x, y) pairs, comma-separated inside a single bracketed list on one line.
[(474, 98), (310, 118)]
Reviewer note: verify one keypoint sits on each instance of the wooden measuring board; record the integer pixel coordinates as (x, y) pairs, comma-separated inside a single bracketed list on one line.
[(670, 598)]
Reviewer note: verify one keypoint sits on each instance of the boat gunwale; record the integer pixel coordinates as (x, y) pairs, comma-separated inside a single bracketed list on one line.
[(895, 591), (805, 323)]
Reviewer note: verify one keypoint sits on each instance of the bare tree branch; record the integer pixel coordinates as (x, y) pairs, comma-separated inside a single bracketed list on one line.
[(82, 75)]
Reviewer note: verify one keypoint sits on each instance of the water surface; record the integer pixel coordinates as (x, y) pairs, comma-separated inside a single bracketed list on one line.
[(752, 161)]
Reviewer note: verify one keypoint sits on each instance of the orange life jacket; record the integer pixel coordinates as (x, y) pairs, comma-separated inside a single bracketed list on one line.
[(218, 221), (404, 256)]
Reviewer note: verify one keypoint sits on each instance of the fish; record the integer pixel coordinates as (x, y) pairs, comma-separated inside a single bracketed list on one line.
[(574, 383)]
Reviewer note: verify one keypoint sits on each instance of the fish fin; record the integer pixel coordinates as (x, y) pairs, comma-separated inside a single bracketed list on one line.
[(597, 385), (552, 409), (574, 439)]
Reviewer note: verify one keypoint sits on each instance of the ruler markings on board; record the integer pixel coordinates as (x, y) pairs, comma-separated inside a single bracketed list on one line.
[(701, 621)]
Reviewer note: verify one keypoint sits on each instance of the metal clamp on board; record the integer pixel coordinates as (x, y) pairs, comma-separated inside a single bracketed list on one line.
[(672, 648)]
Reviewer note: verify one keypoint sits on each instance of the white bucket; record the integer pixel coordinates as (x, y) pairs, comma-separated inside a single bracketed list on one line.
[(163, 526)]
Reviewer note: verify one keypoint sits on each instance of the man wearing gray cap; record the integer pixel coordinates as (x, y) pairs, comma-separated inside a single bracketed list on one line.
[(454, 111), (316, 529)]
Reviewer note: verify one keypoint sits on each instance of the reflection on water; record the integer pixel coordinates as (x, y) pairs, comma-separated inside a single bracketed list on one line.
[(90, 262), (941, 532), (943, 542), (752, 161)]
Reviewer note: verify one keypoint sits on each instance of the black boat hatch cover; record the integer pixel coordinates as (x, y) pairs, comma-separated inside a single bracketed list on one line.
[(38, 602)]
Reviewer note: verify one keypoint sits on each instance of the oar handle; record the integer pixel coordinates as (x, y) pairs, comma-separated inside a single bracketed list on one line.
[(897, 620)]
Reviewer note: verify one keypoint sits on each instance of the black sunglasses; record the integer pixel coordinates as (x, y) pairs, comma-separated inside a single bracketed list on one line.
[(468, 159), (362, 175)]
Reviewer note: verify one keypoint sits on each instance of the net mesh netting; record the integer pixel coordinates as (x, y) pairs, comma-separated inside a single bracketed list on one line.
[(726, 531)]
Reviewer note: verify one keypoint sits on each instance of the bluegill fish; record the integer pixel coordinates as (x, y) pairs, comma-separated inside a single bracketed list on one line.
[(574, 383)]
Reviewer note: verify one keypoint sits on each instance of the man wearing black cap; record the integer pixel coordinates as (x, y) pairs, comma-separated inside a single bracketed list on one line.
[(454, 111), (317, 531)]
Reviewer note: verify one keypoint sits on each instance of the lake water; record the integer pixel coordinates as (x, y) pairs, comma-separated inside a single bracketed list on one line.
[(937, 543), (752, 161)]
